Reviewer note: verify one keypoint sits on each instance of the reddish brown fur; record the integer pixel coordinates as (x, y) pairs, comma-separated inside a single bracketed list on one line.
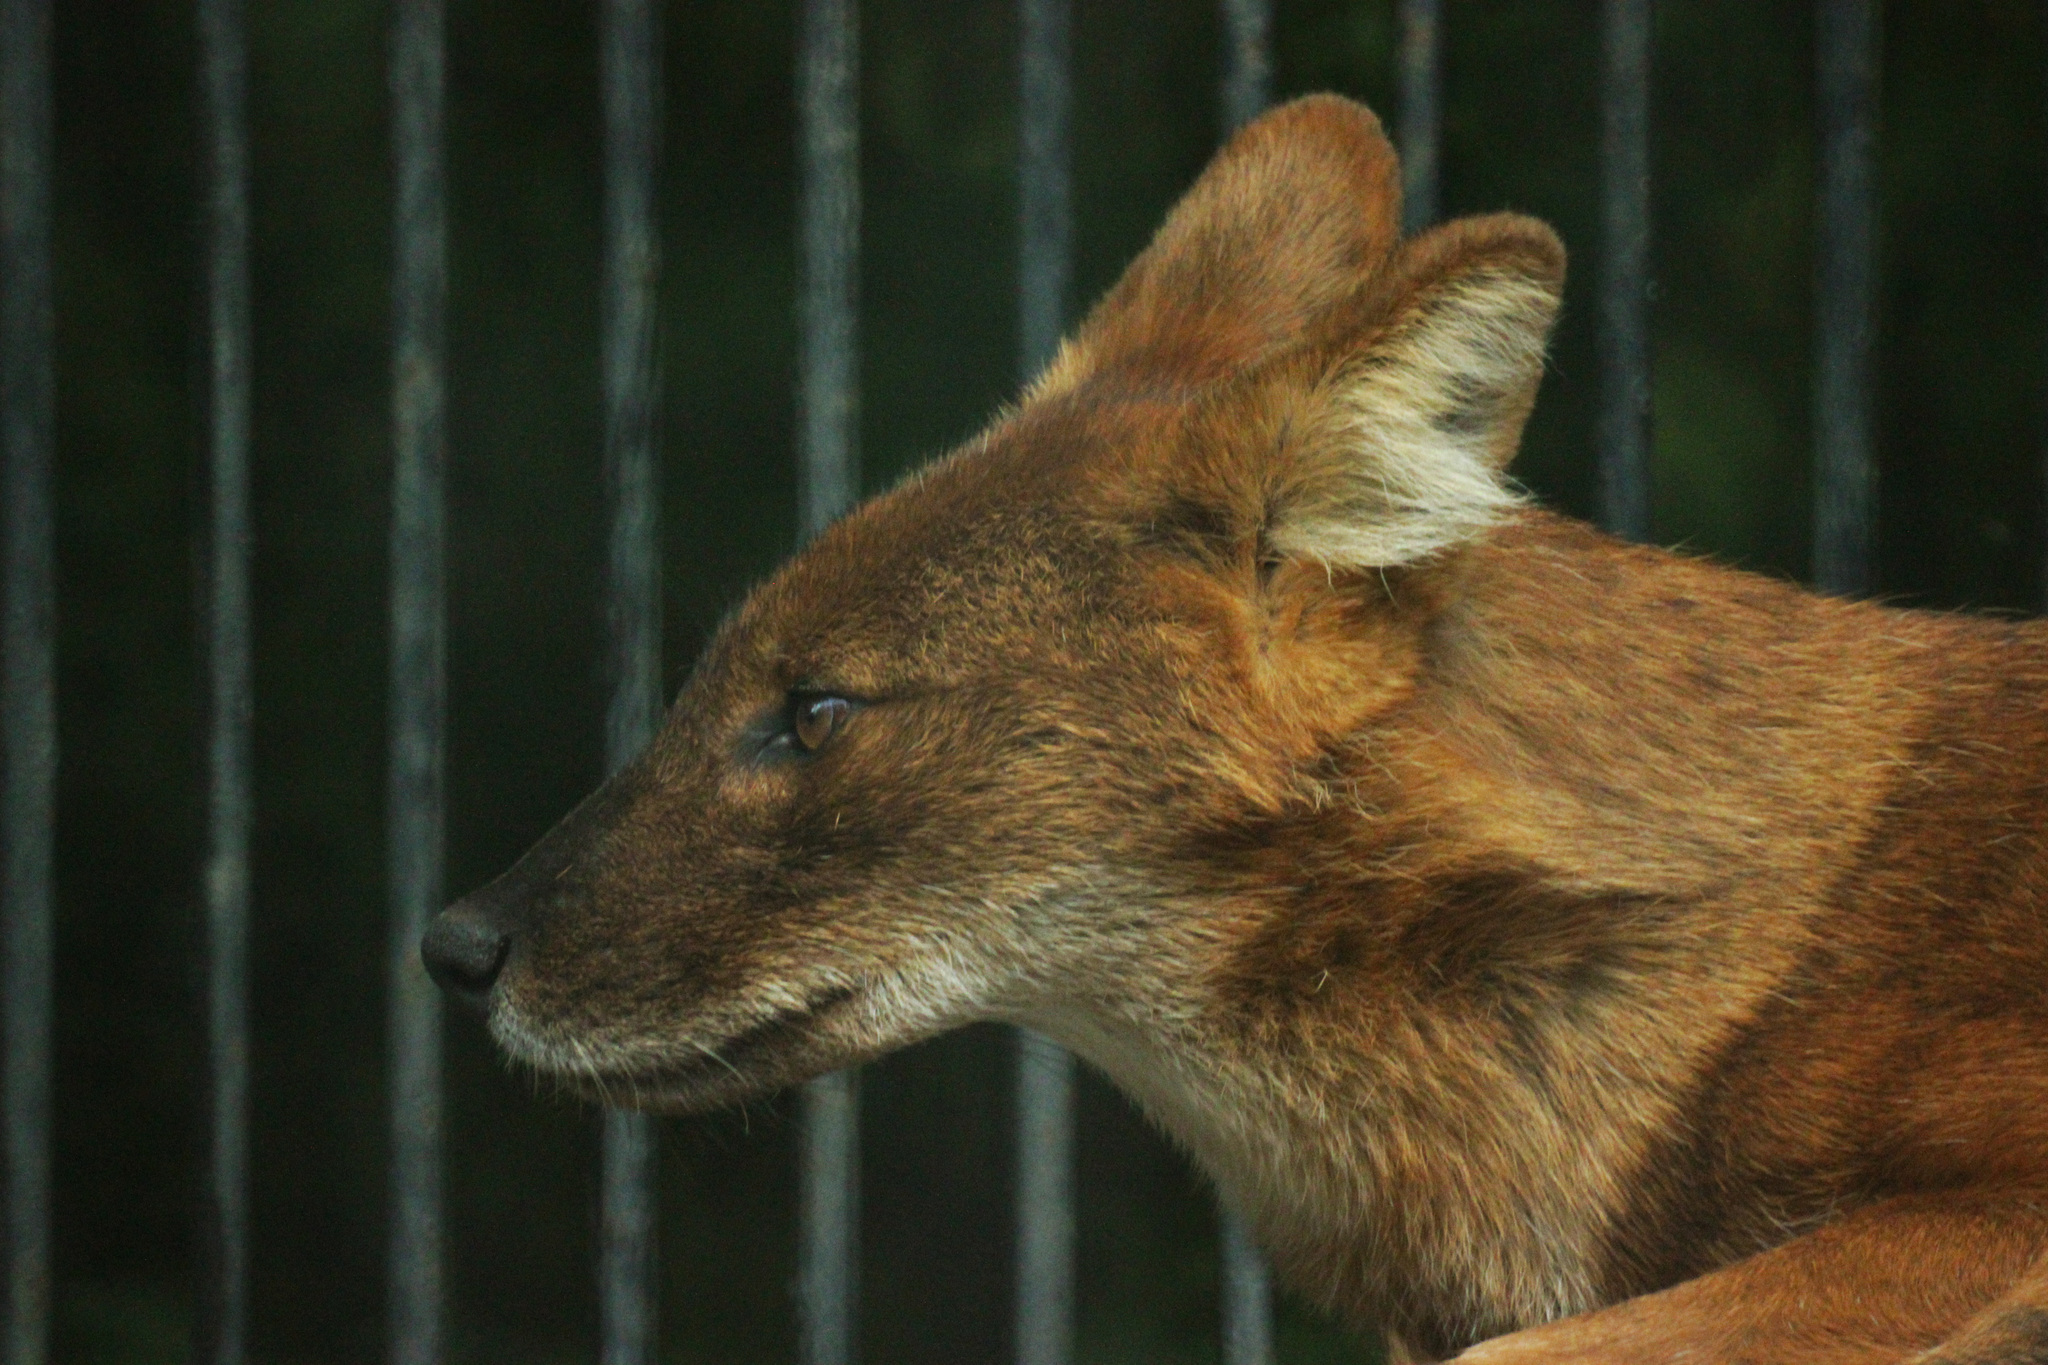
[(1522, 927)]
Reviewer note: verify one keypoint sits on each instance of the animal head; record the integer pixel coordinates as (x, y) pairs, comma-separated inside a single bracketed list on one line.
[(1013, 739)]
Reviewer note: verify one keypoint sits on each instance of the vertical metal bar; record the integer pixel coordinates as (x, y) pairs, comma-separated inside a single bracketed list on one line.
[(223, 58), (1045, 180), (1247, 1295), (828, 412), (1247, 1291), (1045, 1073), (1045, 1201), (829, 1254), (828, 390), (28, 687), (1247, 61), (1845, 310), (418, 672), (1625, 410), (628, 1292), (1421, 131)]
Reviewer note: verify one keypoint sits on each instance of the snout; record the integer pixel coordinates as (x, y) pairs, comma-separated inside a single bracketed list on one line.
[(464, 952)]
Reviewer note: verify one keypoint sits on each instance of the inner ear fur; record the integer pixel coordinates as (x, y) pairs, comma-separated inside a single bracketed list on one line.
[(1413, 421)]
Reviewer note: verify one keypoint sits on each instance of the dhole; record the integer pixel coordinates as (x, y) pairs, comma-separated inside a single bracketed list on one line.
[(1545, 940)]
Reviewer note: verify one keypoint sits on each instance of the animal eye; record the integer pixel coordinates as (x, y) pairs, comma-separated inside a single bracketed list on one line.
[(814, 720)]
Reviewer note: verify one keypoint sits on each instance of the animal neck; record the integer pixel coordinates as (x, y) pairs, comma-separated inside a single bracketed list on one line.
[(1407, 1157), (1431, 1053)]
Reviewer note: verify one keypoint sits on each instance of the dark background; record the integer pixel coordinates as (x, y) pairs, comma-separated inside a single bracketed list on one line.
[(1960, 436)]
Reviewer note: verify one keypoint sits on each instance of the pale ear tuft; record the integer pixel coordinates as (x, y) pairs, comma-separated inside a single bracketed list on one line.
[(1417, 426)]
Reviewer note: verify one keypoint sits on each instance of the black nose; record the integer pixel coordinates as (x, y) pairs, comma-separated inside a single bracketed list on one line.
[(463, 954)]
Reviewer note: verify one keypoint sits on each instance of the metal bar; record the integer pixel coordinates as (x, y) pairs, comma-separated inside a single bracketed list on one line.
[(828, 434), (1421, 131), (1045, 179), (828, 1270), (629, 1295), (1247, 1290), (1247, 1298), (1845, 495), (1247, 1295), (223, 57), (828, 390), (1247, 62), (1045, 1201), (628, 1291), (28, 688), (1045, 1085), (418, 672), (1625, 411)]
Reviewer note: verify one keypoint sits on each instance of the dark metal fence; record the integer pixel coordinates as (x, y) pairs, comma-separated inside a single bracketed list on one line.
[(1845, 322), (828, 461), (28, 688), (828, 470), (415, 805), (223, 79), (630, 37), (1045, 1073)]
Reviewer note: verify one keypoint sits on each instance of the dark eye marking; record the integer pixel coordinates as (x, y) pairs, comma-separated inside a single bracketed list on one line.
[(805, 723)]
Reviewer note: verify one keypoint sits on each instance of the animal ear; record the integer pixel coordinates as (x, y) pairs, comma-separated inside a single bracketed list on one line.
[(1411, 427), (1288, 220)]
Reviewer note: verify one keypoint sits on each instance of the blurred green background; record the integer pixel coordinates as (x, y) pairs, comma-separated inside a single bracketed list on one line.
[(1963, 317)]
